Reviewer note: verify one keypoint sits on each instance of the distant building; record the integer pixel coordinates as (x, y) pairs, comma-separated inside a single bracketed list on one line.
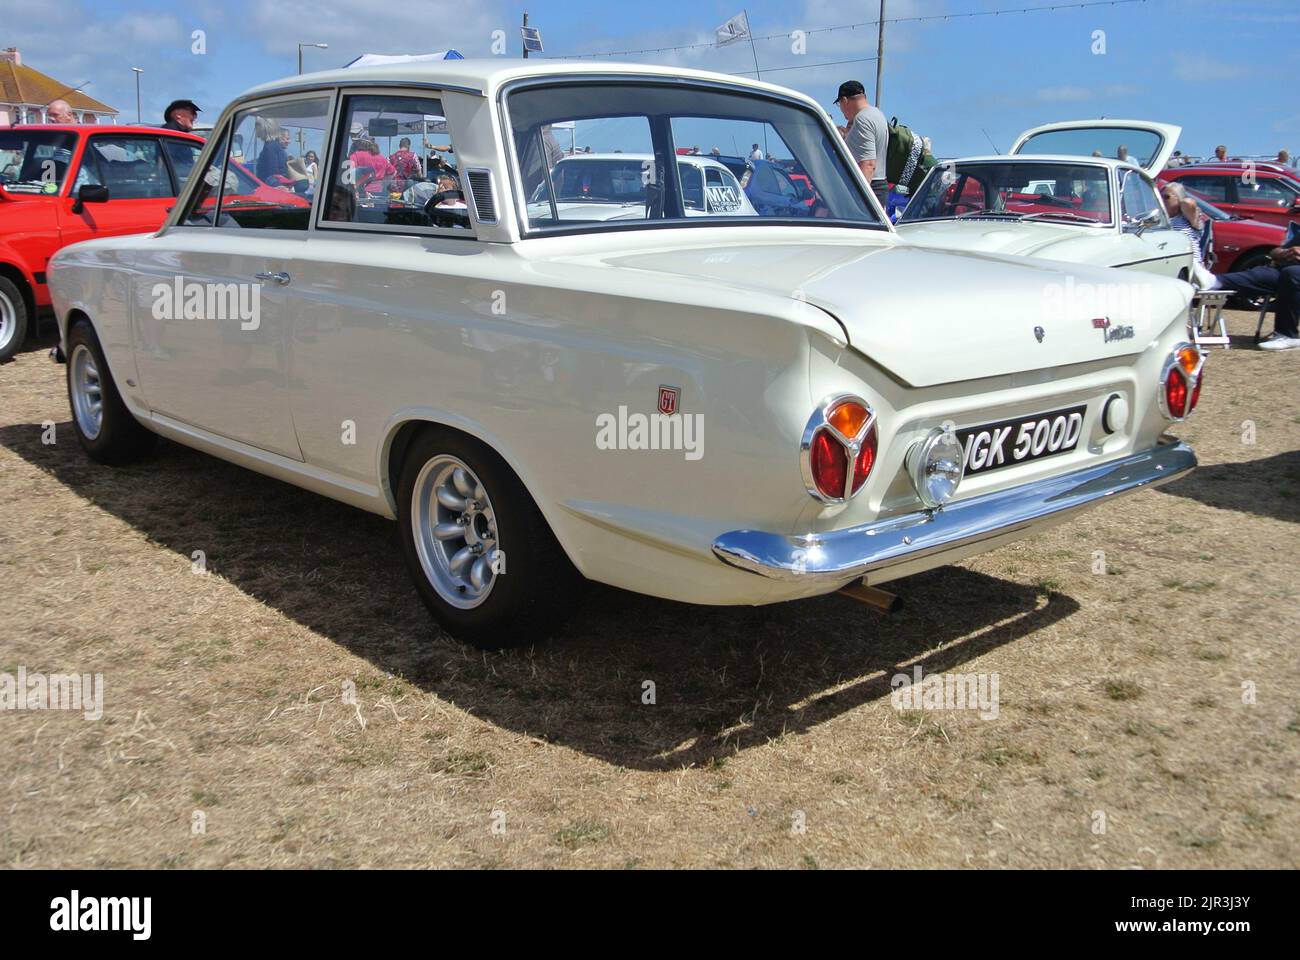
[(24, 94)]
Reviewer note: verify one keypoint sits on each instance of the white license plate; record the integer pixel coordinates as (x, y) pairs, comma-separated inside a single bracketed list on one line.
[(1006, 443)]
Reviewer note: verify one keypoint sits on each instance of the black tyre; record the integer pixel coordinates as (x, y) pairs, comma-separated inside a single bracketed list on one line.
[(104, 426), (13, 319), (481, 553)]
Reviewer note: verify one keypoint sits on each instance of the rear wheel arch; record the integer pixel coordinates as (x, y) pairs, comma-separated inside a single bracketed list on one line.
[(398, 445)]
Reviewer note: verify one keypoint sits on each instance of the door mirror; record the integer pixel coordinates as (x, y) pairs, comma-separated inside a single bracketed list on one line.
[(1146, 222), (89, 193)]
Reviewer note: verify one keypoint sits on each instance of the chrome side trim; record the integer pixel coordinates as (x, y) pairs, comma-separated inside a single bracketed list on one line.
[(843, 555)]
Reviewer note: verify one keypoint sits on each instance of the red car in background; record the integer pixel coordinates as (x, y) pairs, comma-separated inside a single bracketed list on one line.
[(1261, 191), (1240, 243), (62, 183)]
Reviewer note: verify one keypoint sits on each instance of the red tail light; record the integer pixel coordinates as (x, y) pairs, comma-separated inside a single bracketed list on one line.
[(833, 431), (829, 465), (1196, 391), (1176, 394)]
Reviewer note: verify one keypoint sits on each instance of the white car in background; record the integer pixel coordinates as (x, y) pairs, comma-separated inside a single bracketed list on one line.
[(689, 403), (617, 186), (1061, 194)]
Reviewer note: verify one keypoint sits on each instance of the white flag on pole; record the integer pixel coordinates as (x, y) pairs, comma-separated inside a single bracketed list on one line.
[(737, 28)]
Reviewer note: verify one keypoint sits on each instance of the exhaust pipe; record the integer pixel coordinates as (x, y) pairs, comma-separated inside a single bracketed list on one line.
[(879, 600)]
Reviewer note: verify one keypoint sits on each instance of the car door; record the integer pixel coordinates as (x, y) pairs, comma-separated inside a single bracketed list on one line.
[(212, 311), (1153, 248), (139, 182), (1271, 199)]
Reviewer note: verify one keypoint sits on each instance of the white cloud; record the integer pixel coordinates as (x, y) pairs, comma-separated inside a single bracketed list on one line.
[(1205, 68)]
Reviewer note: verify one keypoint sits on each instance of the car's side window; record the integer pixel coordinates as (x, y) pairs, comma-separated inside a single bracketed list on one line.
[(1265, 193), (394, 166), (1214, 189), (131, 167), (692, 189), (202, 204), (182, 154), (268, 185), (1139, 198)]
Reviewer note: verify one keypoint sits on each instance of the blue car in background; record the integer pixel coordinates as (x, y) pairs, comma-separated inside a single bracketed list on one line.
[(774, 193), (771, 188)]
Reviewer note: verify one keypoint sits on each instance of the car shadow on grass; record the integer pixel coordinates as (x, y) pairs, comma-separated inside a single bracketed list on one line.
[(1269, 487), (724, 678)]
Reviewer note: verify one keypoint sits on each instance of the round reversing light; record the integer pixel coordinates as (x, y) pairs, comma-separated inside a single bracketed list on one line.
[(937, 465), (1115, 414)]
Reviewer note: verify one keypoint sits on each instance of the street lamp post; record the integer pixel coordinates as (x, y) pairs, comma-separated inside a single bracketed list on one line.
[(318, 46), (138, 71)]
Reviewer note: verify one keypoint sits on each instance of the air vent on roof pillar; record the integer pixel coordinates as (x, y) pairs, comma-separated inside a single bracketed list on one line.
[(480, 191)]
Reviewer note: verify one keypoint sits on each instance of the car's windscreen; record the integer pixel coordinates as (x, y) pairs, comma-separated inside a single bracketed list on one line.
[(35, 161), (1060, 192), (1115, 143), (594, 153)]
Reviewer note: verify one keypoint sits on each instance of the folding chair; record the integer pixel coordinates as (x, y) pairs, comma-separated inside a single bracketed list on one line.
[(1268, 304), (1205, 323)]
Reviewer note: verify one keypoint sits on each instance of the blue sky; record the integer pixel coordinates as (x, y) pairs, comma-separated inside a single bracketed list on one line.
[(1216, 68)]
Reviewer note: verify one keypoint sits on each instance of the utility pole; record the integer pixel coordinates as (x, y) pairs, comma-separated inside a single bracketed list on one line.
[(521, 40), (880, 56)]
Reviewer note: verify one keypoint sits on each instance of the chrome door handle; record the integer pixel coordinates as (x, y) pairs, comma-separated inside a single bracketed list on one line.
[(1163, 245), (281, 278)]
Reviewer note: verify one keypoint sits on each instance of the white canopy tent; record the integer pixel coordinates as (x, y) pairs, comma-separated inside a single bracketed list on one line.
[(375, 59)]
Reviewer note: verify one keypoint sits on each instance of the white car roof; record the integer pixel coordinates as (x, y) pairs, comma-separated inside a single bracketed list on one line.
[(486, 76)]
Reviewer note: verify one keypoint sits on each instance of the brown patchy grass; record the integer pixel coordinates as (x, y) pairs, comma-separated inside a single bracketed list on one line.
[(1120, 693)]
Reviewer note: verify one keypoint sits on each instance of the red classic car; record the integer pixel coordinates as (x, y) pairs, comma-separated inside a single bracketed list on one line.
[(61, 183), (1262, 191), (1240, 243)]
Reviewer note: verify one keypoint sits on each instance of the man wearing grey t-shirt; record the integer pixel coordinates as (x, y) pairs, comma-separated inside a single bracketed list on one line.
[(867, 134)]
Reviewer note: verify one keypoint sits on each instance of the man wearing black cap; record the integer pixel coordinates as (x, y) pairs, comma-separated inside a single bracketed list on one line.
[(867, 134), (180, 115)]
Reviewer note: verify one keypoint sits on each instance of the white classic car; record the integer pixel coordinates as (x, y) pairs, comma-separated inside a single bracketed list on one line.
[(717, 408), (614, 186), (1082, 192)]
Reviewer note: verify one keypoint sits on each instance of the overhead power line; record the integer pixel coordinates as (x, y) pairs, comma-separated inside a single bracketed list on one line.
[(1006, 11)]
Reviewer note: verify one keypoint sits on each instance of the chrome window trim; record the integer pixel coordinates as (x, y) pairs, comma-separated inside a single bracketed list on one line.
[(516, 184)]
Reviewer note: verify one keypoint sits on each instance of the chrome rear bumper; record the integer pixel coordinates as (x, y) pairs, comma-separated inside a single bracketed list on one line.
[(842, 555)]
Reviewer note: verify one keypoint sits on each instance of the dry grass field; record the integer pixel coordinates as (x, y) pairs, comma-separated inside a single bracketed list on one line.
[(773, 741)]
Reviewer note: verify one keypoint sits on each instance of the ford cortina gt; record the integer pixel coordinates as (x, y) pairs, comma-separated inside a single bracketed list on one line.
[(713, 406)]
